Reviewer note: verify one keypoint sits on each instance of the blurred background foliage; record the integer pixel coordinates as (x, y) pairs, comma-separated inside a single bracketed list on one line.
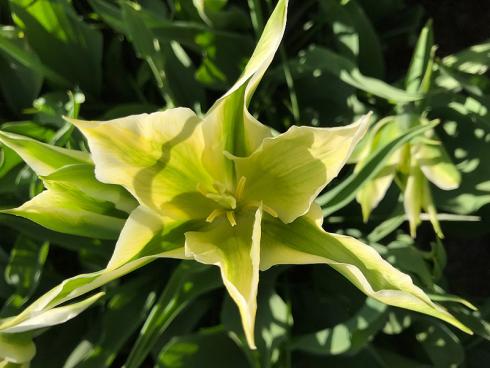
[(101, 59)]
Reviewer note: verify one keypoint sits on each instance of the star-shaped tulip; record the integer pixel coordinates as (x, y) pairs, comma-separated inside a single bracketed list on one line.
[(224, 191), (413, 166)]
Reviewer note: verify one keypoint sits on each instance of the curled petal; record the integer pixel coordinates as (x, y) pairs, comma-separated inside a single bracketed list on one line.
[(54, 316), (302, 242)]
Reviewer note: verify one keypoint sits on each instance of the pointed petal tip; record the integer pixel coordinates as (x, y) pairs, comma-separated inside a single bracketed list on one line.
[(8, 139), (80, 124), (9, 211)]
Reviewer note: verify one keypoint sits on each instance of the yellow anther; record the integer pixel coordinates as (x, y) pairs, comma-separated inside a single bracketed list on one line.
[(212, 216), (240, 187), (231, 217)]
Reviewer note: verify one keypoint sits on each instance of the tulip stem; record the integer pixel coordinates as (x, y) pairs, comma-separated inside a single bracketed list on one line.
[(293, 99), (257, 16)]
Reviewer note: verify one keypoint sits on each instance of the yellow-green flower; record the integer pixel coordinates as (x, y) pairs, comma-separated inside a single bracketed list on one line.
[(224, 191), (413, 166)]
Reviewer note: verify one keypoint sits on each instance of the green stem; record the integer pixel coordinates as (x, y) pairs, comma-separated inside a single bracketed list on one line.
[(293, 98), (257, 16)]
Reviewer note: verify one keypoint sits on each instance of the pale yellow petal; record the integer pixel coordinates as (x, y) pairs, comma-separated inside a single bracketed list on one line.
[(288, 171), (156, 157), (302, 242), (236, 251)]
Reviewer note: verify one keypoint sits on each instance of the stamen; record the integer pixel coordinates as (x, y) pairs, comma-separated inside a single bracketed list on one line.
[(212, 216), (270, 211), (266, 208), (231, 217), (240, 187)]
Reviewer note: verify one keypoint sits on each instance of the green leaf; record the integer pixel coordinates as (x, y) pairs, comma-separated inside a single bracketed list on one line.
[(19, 85), (29, 128), (420, 59), (23, 271), (53, 28), (126, 309), (385, 228), (172, 68), (473, 60), (466, 139), (30, 60), (441, 345), (208, 348), (83, 245), (223, 52), (273, 322), (318, 59), (110, 13), (189, 281), (354, 31), (402, 254), (345, 192), (348, 337)]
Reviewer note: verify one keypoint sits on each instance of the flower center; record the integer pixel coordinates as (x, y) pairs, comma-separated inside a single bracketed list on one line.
[(228, 201)]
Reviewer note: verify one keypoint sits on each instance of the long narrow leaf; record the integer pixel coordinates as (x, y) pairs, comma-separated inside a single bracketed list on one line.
[(187, 283)]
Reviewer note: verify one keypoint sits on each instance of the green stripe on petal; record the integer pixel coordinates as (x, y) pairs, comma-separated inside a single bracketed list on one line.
[(80, 177), (41, 157), (156, 157), (142, 225), (228, 125), (288, 171), (236, 251), (71, 213), (264, 51), (146, 233), (303, 242)]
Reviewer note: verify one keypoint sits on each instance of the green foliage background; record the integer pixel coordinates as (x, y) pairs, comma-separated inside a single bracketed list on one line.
[(102, 59)]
